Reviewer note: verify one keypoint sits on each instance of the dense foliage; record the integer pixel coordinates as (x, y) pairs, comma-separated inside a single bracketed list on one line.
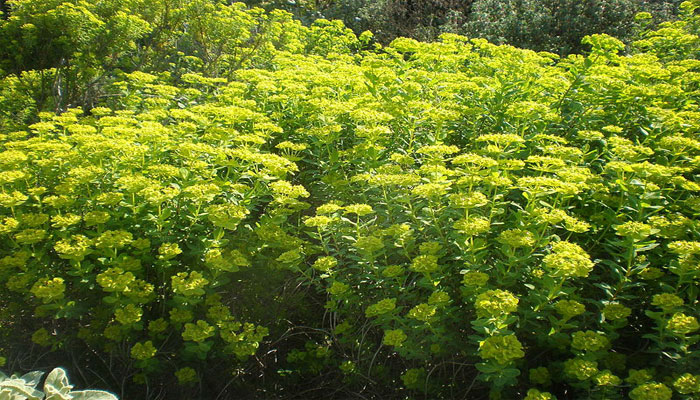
[(204, 200), (551, 25)]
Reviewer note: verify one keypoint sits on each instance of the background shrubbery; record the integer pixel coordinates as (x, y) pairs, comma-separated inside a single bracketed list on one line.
[(555, 26), (204, 200)]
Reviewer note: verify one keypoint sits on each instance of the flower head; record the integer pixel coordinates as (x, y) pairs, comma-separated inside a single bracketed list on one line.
[(425, 263), (143, 351), (503, 349), (568, 260), (581, 369), (687, 384), (616, 311), (651, 391), (394, 337), (682, 324), (589, 341), (381, 307), (666, 301), (495, 303)]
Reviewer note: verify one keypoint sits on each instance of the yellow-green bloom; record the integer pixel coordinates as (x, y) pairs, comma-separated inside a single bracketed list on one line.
[(635, 230), (425, 263), (157, 326), (472, 226), (581, 369), (64, 221), (41, 337), (96, 218), (687, 384), (328, 208), (34, 220), (143, 351), (49, 290), (381, 307), (495, 303), (75, 248), (369, 244), (325, 264), (475, 279), (113, 239), (616, 311), (115, 280), (503, 349), (422, 312), (684, 248), (30, 236), (290, 257), (198, 332), (13, 199), (666, 301), (589, 341), (191, 284), (517, 238), (682, 324), (568, 260), (439, 298), (319, 221), (392, 271), (394, 337), (8, 225), (178, 315), (110, 198), (641, 16), (651, 391), (534, 394), (168, 251), (637, 377), (413, 378), (130, 314), (359, 209), (186, 375), (430, 248), (468, 200), (226, 215), (338, 288), (431, 190), (200, 193), (606, 378)]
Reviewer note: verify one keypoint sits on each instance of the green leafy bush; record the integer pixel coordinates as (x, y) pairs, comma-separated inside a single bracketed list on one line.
[(556, 26), (421, 219), (120, 226)]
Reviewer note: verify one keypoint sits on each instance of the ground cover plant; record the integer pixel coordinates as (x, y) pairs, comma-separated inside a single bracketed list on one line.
[(217, 210), (55, 386)]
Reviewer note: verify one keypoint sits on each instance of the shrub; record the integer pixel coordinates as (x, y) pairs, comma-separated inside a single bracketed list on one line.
[(555, 26), (389, 222)]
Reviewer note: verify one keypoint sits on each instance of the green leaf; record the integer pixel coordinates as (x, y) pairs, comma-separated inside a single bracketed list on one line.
[(93, 395), (57, 380)]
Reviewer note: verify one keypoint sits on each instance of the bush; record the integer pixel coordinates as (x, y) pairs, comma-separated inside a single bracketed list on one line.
[(391, 222), (556, 26)]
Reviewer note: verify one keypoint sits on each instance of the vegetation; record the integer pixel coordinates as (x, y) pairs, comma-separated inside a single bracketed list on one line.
[(206, 200), (56, 387), (550, 25)]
